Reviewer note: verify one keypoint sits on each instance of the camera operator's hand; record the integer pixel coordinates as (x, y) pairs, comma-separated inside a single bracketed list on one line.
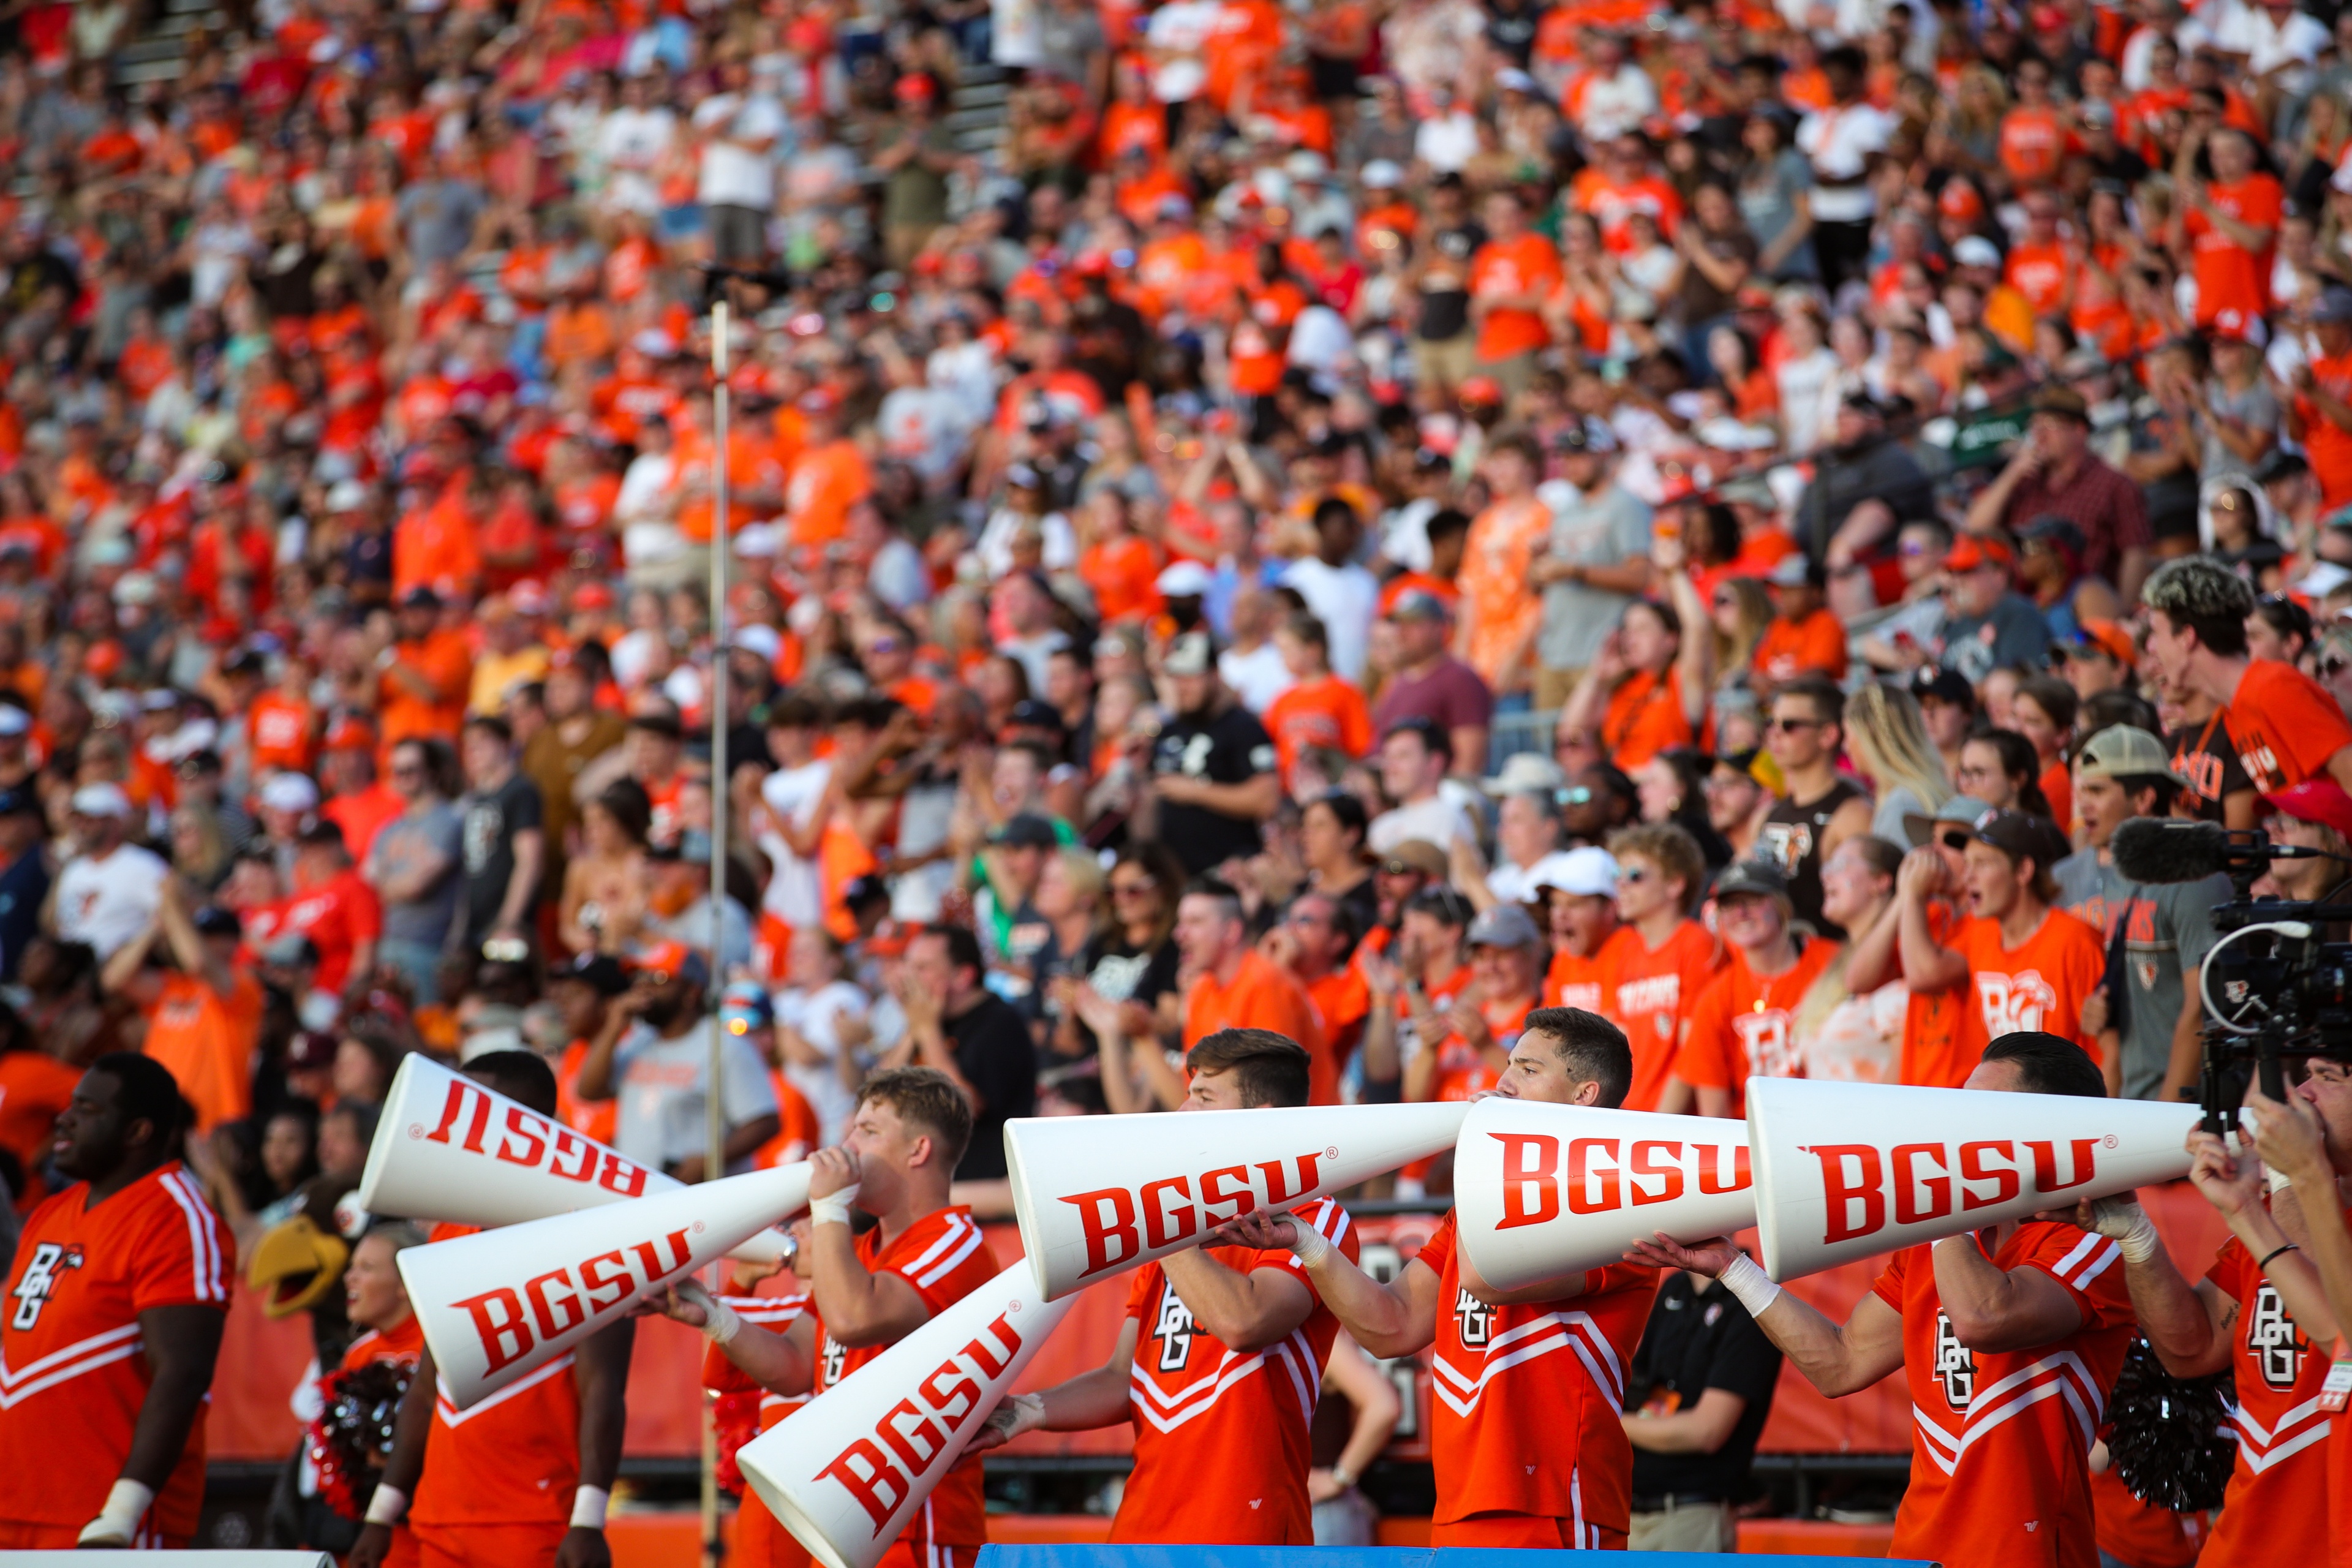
[(2289, 1138), (2231, 1182)]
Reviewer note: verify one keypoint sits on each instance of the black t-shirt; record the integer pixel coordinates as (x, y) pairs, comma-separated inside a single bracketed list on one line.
[(1698, 1339), (1792, 839), (1445, 289), (2203, 754), (996, 1057), (1227, 747), (491, 822)]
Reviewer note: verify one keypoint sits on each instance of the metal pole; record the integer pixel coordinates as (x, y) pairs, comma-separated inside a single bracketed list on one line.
[(714, 1164)]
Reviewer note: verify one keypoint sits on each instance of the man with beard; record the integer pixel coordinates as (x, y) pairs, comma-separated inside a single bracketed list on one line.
[(1212, 772), (653, 1055)]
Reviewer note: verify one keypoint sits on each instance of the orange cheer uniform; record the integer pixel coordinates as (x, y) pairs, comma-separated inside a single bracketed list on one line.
[(1222, 1438), (2001, 1439), (1544, 1378), (2281, 1427), (72, 1380), (759, 1542), (945, 1258), (1650, 995), (1741, 1027), (2284, 725), (2041, 984)]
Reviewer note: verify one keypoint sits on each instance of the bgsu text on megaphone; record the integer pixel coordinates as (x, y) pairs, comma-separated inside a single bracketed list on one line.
[(562, 1297), (919, 1428), (531, 1141), (1600, 1180), (1856, 1178), (1170, 1213)]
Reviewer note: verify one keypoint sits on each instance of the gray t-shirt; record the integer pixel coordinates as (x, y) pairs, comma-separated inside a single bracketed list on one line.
[(2015, 634), (2254, 406), (2171, 927), (1607, 528), (665, 1089), (405, 841)]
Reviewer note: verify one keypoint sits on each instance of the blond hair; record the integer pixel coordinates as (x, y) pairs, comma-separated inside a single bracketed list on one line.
[(1889, 741)]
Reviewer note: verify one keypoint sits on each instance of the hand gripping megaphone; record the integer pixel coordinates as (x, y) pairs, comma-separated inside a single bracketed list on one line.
[(1545, 1192), (1097, 1194), (1845, 1171), (449, 1149), (497, 1305), (851, 1466)]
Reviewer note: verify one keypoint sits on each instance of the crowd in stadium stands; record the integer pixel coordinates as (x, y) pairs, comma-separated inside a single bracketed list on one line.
[(1354, 518)]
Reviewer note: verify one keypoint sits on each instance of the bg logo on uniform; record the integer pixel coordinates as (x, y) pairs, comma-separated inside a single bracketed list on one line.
[(2015, 1004), (2272, 1335), (1477, 1324), (1175, 1332), (1955, 1365), (32, 1292)]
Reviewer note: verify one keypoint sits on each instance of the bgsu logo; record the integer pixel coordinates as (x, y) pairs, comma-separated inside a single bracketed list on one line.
[(532, 1141), (2273, 1339), (1954, 1367), (2015, 1004), (1174, 1329), (40, 1281), (880, 1471), (1171, 1213), (563, 1298), (1598, 1179), (1474, 1321), (1856, 1179)]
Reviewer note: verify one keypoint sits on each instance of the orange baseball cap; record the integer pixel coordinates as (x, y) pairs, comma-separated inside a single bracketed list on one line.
[(2321, 800), (1972, 552), (349, 734), (2109, 637)]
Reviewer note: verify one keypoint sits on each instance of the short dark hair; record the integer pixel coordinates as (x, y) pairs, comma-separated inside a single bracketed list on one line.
[(145, 1090), (2200, 595), (1308, 628), (1829, 702), (927, 1098), (491, 724), (2054, 697), (2047, 1064), (522, 1077), (964, 947), (1588, 1045), (1223, 892), (1446, 524), (1270, 1068), (1433, 734), (1347, 809)]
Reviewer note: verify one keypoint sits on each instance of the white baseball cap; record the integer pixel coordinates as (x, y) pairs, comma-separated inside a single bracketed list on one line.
[(1184, 580), (100, 800), (291, 792), (1588, 872)]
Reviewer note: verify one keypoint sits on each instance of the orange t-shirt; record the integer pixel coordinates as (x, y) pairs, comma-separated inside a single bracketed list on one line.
[(34, 1086), (2328, 444), (1646, 717), (1501, 613), (596, 1118), (207, 1040), (827, 482), (447, 665), (2057, 784), (2045, 274), (1124, 574), (1322, 712), (2284, 725), (2230, 277), (1815, 645), (2040, 984), (1573, 981), (2032, 143), (1343, 1002), (1649, 996), (1943, 1032), (1527, 265), (282, 734), (1262, 996), (1740, 1028)]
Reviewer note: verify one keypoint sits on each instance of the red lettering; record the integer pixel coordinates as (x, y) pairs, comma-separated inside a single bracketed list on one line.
[(650, 1258), (677, 1244), (592, 1277), (1578, 1184), (1841, 1193), (902, 1439), (1101, 1232), (523, 1124), (1972, 1169), (868, 1484), (462, 1094), (1710, 1171), (955, 1401), (1939, 1188), (988, 1363), (565, 1306), (569, 1145), (496, 1331), (1215, 1193), (1669, 1174), (2046, 1165), (1277, 1197), (1528, 1161), (1160, 1226), (621, 1176)]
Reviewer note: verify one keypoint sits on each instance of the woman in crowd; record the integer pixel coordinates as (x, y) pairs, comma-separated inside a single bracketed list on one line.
[(1332, 830), (1073, 898), (1888, 742), (604, 886), (1673, 787), (1648, 688), (1857, 1039), (2044, 713), (821, 1023), (2000, 768)]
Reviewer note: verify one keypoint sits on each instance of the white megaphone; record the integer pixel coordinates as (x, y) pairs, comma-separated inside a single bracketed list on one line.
[(1096, 1194), (1545, 1192), (1845, 1171), (449, 1149), (851, 1466), (497, 1305)]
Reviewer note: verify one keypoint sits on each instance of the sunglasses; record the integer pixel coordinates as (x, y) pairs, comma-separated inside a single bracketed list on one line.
[(1954, 840), (1131, 890), (1791, 726), (1581, 795), (1633, 873), (882, 644)]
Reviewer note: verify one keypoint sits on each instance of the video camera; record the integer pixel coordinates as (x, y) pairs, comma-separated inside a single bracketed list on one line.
[(2272, 986)]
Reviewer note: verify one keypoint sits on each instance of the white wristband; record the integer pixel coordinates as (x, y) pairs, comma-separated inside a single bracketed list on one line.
[(389, 1505), (834, 1208), (1747, 1282), (126, 1505), (2278, 1181), (1310, 1246), (588, 1505), (2142, 1241)]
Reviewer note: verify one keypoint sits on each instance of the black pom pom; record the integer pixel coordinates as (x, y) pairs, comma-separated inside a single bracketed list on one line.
[(2166, 1442), (352, 1438)]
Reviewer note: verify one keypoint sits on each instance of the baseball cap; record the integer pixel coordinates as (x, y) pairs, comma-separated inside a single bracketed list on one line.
[(2108, 637), (2062, 400), (348, 734), (669, 958), (1191, 654), (1526, 772), (600, 971), (1751, 877), (1417, 604), (100, 800), (291, 792), (213, 921), (420, 598), (1961, 810), (1972, 552), (759, 641), (745, 1008), (292, 950), (1504, 925), (1381, 175), (1789, 571), (1481, 389), (1031, 714), (1026, 830), (1591, 435), (2125, 750), (2333, 309), (1933, 681), (19, 802), (1184, 580), (1976, 250), (1746, 491), (2021, 833), (2317, 800), (1413, 855), (14, 721), (1587, 872)]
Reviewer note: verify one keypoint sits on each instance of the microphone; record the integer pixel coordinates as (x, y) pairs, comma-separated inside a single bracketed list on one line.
[(2164, 849)]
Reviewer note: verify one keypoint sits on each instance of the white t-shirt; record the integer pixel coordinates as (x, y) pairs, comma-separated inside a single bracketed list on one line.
[(733, 173), (995, 546), (1181, 29), (817, 1015), (1258, 677), (1344, 599), (1437, 820), (107, 902), (1612, 107), (1839, 140), (795, 895)]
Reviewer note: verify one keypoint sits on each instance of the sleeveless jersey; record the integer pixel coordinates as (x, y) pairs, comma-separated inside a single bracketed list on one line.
[(513, 1458), (73, 1377), (1525, 1417), (1223, 1439), (2282, 1432), (1792, 839), (2002, 1440), (945, 1258)]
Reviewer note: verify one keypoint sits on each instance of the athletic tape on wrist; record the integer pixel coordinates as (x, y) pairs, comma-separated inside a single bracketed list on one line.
[(2277, 1181), (1747, 1282), (126, 1503), (2142, 1241), (1312, 1247), (389, 1505), (588, 1505), (834, 1208)]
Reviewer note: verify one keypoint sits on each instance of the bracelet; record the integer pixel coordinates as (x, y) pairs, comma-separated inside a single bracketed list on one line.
[(1750, 1285), (834, 1208), (2265, 1263), (387, 1507), (126, 1503), (588, 1505), (1345, 1476), (1311, 1248)]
